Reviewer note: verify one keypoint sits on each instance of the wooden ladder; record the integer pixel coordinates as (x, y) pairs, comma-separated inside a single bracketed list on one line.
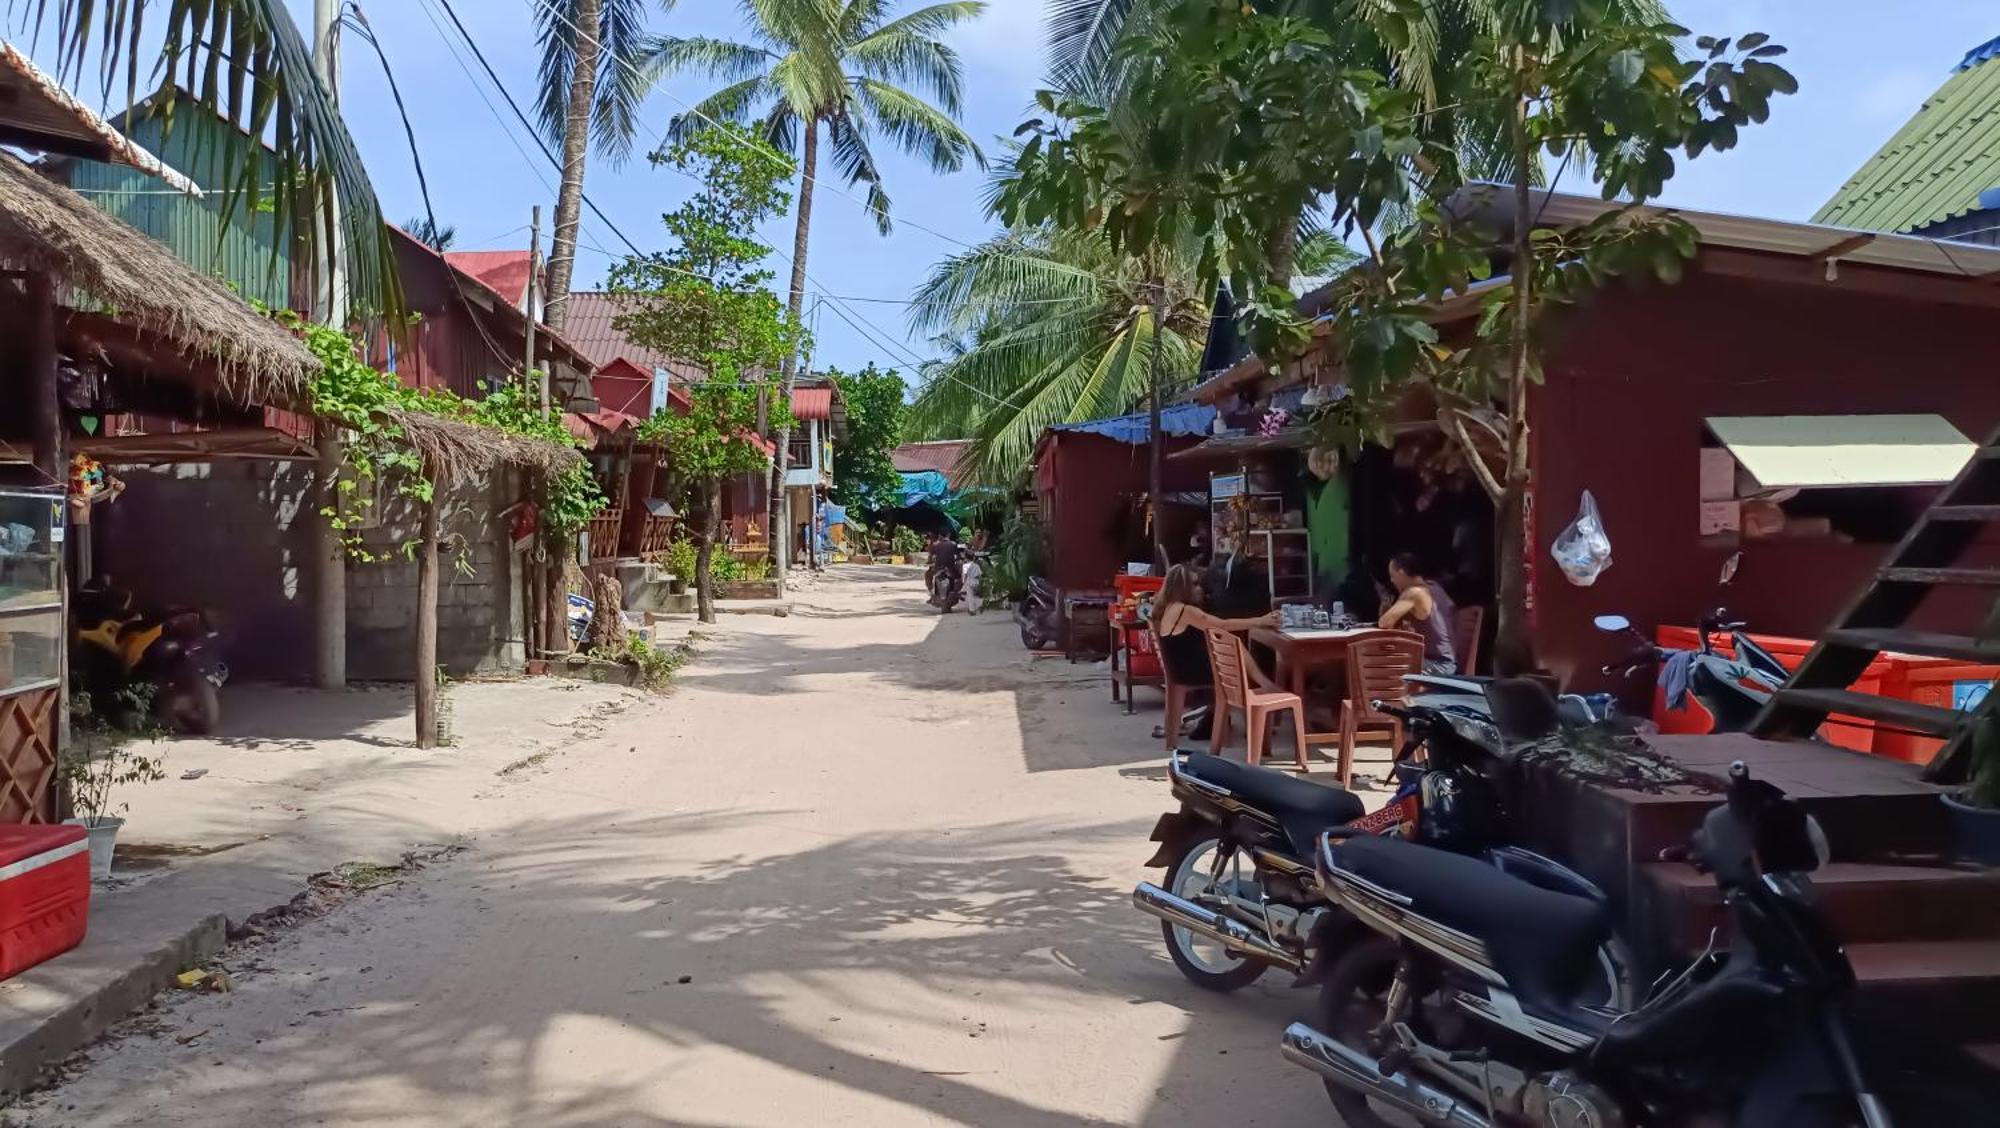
[(1929, 556)]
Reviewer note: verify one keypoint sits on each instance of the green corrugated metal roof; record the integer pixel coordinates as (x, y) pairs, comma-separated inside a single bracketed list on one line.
[(1936, 166)]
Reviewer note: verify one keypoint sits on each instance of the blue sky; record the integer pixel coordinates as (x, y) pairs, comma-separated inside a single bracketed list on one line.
[(1862, 67)]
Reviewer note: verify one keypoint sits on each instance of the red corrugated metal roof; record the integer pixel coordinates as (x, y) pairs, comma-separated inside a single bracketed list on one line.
[(504, 272), (588, 323), (947, 456), (812, 403)]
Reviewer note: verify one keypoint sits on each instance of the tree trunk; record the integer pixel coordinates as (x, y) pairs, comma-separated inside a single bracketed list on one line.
[(1284, 251), (704, 587), (788, 372), (1514, 644), (427, 624), (587, 15), (1156, 474)]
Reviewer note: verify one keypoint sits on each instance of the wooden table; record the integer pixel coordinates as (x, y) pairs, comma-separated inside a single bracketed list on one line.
[(1300, 652)]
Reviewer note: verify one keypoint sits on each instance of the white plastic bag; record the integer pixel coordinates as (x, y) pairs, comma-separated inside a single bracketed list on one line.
[(1583, 550)]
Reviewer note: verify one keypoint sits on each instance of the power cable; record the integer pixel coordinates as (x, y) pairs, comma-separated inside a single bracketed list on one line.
[(355, 20)]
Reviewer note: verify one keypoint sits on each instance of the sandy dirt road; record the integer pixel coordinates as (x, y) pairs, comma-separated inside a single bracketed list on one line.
[(865, 866)]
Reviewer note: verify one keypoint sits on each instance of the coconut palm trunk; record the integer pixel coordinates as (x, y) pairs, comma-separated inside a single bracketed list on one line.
[(788, 373), (588, 15)]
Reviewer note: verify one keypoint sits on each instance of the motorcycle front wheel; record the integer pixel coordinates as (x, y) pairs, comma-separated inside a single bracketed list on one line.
[(1206, 964)]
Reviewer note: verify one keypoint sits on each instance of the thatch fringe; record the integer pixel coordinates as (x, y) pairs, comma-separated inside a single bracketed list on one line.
[(45, 226), (455, 452)]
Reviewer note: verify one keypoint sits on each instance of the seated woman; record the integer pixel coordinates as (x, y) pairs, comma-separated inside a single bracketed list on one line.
[(1178, 622), (1421, 606)]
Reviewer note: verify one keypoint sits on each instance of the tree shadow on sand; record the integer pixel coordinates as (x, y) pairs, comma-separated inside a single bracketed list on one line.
[(882, 929)]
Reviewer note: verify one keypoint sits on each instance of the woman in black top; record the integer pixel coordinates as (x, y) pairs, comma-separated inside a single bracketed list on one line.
[(1179, 622)]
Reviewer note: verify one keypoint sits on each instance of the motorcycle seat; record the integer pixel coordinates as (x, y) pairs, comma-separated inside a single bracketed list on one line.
[(1303, 809), (1542, 941)]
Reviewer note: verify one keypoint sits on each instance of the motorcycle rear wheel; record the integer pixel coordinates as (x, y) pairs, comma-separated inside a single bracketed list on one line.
[(1206, 964)]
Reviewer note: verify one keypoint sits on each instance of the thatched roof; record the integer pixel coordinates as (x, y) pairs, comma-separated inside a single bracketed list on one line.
[(45, 226), (455, 451)]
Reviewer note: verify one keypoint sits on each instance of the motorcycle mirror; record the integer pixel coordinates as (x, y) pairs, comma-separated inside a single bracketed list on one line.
[(1612, 624), (1729, 567)]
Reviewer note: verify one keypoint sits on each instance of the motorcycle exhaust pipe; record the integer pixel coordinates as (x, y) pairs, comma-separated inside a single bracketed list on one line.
[(1233, 934), (1351, 1069)]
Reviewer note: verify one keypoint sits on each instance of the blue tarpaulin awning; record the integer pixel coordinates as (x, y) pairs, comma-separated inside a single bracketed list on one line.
[(1182, 420)]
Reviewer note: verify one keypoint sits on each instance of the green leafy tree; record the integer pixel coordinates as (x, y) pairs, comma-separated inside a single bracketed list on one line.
[(864, 476), (707, 298), (594, 77), (849, 69), (1056, 326), (1590, 83)]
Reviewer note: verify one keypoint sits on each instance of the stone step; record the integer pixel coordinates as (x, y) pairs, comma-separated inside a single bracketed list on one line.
[(1865, 903), (1952, 987)]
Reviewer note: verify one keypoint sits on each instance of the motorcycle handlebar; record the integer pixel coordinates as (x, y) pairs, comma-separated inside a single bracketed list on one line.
[(1396, 711)]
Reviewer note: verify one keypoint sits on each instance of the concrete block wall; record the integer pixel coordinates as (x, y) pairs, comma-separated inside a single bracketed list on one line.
[(480, 626), (233, 537)]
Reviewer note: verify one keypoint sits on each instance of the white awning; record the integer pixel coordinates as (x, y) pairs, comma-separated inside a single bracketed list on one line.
[(1804, 451)]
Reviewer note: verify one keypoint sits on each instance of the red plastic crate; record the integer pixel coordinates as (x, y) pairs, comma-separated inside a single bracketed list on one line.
[(44, 894), (1847, 732)]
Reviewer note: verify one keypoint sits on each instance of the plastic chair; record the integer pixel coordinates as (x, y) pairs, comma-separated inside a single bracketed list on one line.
[(1376, 663), (1466, 624), (1239, 684)]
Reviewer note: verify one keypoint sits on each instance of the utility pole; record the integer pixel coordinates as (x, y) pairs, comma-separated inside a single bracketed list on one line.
[(329, 576), (534, 254)]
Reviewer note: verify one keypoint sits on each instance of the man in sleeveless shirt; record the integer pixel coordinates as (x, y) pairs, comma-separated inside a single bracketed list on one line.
[(1423, 607)]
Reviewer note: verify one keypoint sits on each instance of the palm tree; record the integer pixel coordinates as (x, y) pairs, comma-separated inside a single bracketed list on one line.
[(437, 236), (246, 61), (593, 79), (848, 68), (1056, 327)]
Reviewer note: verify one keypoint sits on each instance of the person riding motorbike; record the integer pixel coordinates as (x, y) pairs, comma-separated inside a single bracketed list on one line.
[(941, 575)]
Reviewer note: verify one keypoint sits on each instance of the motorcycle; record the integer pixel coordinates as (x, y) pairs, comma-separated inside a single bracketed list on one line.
[(1733, 691), (174, 653), (948, 584), (1225, 923), (1474, 1005), (1040, 615)]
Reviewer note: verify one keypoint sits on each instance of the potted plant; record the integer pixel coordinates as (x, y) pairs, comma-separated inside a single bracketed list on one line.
[(99, 759), (1974, 812), (680, 565), (904, 544)]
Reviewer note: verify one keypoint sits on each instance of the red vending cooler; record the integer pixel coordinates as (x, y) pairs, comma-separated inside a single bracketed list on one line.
[(44, 894)]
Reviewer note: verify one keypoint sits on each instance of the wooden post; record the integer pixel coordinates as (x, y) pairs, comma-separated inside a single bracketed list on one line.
[(329, 565), (534, 253), (45, 412), (427, 622)]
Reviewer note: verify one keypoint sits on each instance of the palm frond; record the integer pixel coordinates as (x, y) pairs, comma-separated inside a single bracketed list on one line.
[(730, 105), (245, 61), (1083, 35), (1002, 275), (854, 161), (917, 127), (914, 60)]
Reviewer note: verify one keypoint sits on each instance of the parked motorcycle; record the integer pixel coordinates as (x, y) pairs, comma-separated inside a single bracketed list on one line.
[(173, 653), (1241, 894), (1040, 615), (1477, 1005), (1731, 690)]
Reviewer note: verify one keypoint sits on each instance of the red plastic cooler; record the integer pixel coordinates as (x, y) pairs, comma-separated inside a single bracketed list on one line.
[(44, 894)]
